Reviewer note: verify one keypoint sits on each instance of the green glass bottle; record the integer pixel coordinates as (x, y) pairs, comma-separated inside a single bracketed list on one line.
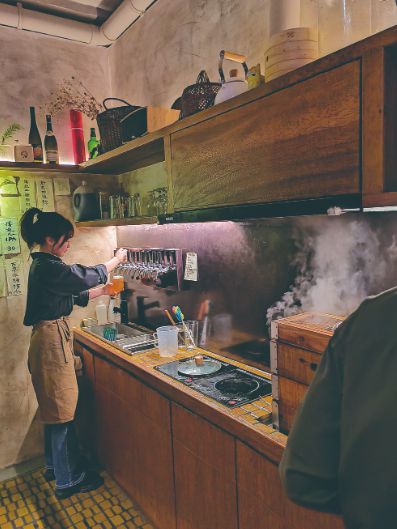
[(93, 145)]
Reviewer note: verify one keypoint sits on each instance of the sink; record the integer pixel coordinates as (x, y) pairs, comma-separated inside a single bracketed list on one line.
[(130, 339)]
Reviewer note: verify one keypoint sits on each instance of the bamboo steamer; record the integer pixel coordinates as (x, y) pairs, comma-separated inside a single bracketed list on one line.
[(272, 60), (287, 46), (293, 34), (287, 65), (270, 77)]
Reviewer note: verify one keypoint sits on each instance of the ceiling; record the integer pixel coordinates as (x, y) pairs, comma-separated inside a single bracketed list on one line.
[(91, 11)]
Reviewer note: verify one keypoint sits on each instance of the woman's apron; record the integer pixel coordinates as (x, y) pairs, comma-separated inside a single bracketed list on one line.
[(53, 368)]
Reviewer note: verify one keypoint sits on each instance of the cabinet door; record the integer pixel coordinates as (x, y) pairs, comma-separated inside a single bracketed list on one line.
[(300, 142), (204, 462), (85, 414), (134, 436), (262, 503)]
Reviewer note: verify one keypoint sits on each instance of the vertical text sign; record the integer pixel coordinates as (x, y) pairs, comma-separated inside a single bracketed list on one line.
[(45, 195), (9, 236), (28, 195), (14, 276)]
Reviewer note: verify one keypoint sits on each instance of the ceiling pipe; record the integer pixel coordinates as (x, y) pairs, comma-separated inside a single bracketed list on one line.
[(105, 35)]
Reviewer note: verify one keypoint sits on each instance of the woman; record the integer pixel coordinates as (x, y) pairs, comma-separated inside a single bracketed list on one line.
[(53, 289)]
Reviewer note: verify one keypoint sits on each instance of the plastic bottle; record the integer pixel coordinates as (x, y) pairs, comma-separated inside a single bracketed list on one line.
[(101, 313), (111, 314)]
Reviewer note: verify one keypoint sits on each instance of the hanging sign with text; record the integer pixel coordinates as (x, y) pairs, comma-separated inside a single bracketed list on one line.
[(45, 195), (14, 276), (9, 237), (28, 194)]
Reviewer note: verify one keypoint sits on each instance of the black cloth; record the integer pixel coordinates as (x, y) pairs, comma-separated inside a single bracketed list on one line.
[(340, 452), (54, 287)]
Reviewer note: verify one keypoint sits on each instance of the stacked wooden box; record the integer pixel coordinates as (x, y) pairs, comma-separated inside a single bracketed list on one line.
[(296, 347), (290, 49)]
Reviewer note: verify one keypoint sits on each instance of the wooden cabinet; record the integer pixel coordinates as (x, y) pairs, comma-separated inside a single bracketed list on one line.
[(134, 439), (262, 503), (205, 478), (300, 142)]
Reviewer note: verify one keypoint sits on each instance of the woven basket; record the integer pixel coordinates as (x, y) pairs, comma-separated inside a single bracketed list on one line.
[(199, 96), (109, 123)]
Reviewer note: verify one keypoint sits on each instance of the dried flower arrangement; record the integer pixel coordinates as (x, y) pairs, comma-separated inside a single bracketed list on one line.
[(72, 94)]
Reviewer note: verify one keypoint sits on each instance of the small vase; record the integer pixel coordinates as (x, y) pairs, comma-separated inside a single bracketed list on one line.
[(76, 125)]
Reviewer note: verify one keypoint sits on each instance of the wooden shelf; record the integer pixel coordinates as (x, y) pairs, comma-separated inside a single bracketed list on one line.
[(133, 221), (135, 154), (40, 167)]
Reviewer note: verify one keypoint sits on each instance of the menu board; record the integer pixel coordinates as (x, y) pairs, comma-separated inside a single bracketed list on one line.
[(14, 274), (28, 194), (9, 237), (45, 195)]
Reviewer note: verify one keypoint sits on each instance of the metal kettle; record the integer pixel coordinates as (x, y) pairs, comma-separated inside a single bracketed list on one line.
[(234, 86)]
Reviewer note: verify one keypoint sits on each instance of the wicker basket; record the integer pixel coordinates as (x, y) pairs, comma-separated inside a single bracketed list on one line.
[(199, 96), (109, 123)]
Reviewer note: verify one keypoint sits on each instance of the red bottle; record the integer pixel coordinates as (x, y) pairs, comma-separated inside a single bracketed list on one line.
[(76, 125)]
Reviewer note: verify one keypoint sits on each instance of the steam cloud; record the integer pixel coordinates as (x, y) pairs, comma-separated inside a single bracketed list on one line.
[(339, 263)]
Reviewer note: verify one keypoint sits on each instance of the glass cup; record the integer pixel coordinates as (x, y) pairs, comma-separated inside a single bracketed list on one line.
[(117, 284), (222, 326), (167, 338), (190, 334)]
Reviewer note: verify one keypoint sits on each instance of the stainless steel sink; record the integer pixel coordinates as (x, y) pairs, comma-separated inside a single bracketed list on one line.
[(130, 339)]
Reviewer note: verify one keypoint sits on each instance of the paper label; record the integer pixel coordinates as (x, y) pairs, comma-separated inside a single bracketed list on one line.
[(28, 194), (61, 186), (9, 237), (14, 274), (45, 195), (191, 267), (3, 283)]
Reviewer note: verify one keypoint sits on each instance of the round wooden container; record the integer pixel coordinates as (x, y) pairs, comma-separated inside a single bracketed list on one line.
[(293, 34)]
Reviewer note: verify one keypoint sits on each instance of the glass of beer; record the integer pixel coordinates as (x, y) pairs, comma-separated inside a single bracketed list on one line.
[(118, 284)]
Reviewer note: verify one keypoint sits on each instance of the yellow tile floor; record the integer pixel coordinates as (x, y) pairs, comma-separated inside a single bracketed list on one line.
[(28, 502)]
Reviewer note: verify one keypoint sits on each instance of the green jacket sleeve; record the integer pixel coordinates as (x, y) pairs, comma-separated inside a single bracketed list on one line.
[(309, 467)]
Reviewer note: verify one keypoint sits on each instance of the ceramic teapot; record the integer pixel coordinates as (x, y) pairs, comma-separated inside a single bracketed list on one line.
[(235, 85)]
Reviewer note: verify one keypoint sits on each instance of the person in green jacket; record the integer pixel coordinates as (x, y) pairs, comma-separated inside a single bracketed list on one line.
[(340, 452)]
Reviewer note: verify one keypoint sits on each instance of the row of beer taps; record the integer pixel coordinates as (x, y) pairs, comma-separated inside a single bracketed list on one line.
[(148, 263)]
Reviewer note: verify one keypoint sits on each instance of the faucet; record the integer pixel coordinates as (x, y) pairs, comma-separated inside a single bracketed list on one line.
[(142, 308)]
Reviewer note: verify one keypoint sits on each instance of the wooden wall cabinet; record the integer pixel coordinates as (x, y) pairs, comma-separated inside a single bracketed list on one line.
[(205, 478), (300, 142)]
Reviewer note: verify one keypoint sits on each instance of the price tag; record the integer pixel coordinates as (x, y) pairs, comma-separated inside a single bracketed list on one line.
[(28, 194), (9, 237), (61, 186), (191, 267), (14, 276), (45, 195)]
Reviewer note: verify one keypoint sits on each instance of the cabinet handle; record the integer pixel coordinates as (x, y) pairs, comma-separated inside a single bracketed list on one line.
[(313, 366)]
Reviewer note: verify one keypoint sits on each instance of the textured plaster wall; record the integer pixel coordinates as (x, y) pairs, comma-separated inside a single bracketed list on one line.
[(32, 66), (163, 52)]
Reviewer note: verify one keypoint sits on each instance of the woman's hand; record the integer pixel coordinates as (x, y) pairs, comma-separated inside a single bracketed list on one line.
[(121, 255), (109, 290)]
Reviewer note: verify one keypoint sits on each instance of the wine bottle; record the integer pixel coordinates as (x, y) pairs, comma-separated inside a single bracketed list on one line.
[(50, 143), (34, 137), (93, 144)]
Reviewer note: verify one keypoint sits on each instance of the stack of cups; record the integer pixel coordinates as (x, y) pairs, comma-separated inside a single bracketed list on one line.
[(290, 49)]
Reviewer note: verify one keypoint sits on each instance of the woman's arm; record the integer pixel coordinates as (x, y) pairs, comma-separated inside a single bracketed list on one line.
[(119, 257)]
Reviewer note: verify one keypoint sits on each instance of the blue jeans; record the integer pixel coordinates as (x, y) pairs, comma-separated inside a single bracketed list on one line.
[(62, 454)]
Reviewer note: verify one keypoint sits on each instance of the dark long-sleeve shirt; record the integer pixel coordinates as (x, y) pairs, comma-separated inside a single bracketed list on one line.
[(54, 287), (340, 455)]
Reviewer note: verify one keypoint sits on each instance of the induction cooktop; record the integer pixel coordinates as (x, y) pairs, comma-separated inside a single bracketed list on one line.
[(231, 385)]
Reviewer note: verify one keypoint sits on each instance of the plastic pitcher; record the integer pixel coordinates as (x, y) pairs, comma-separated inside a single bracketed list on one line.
[(167, 337)]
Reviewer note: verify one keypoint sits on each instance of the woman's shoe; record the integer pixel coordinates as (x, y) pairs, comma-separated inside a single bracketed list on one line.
[(92, 481)]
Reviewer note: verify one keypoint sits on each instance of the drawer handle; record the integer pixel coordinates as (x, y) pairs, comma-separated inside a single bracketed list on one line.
[(312, 365)]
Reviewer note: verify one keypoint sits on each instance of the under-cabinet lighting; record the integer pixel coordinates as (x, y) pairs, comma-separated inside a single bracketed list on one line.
[(380, 209)]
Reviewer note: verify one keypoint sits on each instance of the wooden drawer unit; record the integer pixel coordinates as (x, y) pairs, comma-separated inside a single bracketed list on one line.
[(296, 348), (300, 142)]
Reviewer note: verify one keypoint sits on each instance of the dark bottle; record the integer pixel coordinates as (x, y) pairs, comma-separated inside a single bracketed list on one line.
[(50, 143), (34, 137), (93, 145)]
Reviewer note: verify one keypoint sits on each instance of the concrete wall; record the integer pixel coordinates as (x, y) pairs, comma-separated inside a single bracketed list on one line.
[(163, 52), (32, 66)]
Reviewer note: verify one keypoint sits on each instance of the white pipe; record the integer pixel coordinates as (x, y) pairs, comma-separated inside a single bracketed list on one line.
[(115, 25), (284, 14)]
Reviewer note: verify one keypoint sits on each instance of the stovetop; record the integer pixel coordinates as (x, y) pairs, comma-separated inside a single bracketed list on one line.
[(231, 377)]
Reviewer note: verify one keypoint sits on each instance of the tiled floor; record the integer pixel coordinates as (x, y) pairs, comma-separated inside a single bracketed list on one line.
[(28, 502)]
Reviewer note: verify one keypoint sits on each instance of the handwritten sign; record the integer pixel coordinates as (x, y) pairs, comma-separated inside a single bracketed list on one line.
[(191, 267), (3, 284), (62, 186), (28, 194), (14, 276), (9, 236), (8, 186), (45, 195)]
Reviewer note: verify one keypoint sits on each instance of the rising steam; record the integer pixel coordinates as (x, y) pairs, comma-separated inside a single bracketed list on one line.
[(339, 262)]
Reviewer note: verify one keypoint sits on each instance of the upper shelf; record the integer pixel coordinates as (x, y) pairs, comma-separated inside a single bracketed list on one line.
[(39, 167)]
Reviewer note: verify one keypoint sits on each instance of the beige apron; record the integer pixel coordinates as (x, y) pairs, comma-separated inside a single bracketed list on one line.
[(53, 368)]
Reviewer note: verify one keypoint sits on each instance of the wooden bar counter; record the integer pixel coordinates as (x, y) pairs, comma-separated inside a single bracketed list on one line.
[(187, 461)]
